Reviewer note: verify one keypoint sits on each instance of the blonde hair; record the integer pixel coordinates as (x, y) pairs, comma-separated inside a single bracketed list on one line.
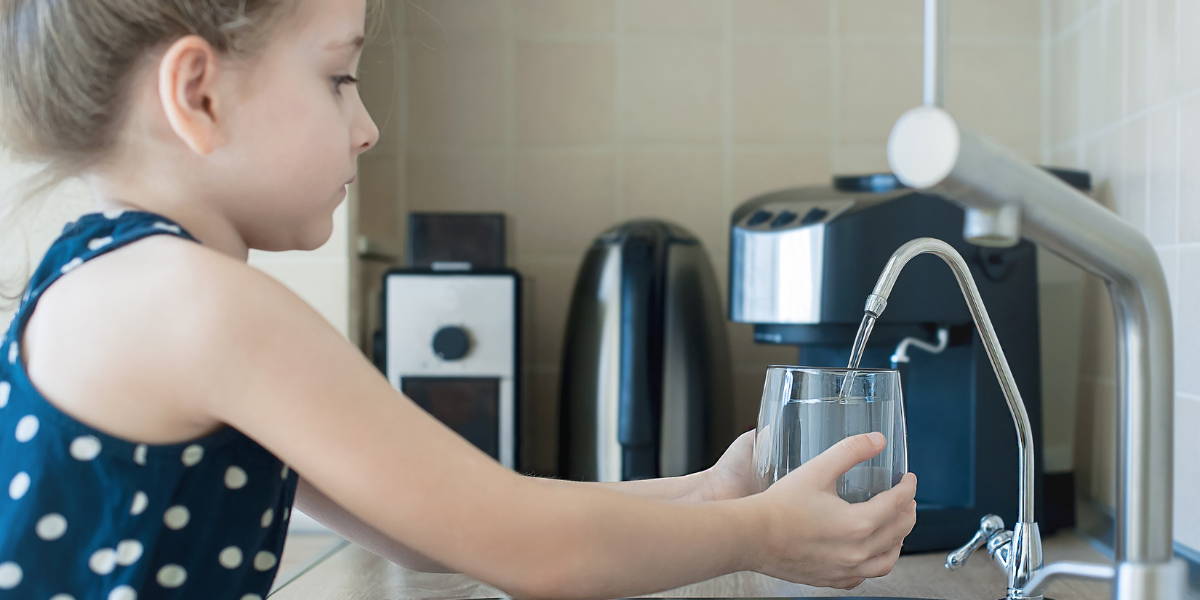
[(65, 65)]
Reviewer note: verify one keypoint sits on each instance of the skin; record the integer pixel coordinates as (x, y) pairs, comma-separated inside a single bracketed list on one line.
[(255, 153)]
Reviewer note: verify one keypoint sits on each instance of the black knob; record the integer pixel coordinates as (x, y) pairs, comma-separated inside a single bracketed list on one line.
[(451, 343)]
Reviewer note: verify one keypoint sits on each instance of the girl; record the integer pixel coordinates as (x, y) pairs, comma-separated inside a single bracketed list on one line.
[(163, 405)]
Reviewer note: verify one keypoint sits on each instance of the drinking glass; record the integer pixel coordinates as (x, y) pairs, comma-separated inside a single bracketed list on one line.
[(805, 410)]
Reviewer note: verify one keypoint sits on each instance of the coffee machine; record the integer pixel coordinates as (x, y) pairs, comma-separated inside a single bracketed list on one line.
[(802, 260)]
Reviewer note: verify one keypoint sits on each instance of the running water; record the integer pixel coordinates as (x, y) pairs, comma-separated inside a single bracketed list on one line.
[(856, 352)]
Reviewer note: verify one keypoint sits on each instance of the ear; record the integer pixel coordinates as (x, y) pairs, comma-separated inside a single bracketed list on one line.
[(187, 90)]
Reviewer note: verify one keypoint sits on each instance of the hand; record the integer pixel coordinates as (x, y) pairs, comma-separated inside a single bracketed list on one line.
[(814, 537), (733, 475)]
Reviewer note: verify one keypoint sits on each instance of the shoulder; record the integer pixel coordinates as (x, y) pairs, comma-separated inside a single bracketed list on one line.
[(163, 318)]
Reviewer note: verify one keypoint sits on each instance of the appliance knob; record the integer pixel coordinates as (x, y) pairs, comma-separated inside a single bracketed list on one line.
[(758, 218), (451, 343), (783, 219)]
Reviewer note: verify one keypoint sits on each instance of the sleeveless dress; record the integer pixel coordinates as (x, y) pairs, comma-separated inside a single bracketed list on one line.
[(85, 514)]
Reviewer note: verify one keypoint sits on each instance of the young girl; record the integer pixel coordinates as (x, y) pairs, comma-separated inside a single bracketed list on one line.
[(163, 405)]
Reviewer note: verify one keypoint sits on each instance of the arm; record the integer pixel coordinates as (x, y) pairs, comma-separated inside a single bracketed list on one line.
[(278, 372)]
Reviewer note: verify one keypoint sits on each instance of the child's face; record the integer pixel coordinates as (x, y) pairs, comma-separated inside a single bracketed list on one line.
[(297, 128)]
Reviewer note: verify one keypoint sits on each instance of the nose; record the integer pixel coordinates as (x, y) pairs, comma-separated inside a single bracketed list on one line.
[(366, 133)]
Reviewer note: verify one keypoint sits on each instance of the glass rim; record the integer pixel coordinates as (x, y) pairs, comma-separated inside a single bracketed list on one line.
[(832, 370)]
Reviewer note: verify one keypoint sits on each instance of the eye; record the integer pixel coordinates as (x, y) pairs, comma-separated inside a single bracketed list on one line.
[(340, 80)]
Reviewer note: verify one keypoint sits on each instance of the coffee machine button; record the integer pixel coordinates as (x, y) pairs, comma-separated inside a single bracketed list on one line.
[(813, 216), (451, 343), (784, 219), (758, 218)]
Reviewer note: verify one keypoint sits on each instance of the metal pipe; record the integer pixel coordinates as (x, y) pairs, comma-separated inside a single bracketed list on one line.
[(935, 52), (927, 150)]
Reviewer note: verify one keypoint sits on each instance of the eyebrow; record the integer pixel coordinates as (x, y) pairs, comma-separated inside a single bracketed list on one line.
[(354, 43)]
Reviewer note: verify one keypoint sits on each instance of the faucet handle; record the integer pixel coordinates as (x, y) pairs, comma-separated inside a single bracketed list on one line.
[(989, 526)]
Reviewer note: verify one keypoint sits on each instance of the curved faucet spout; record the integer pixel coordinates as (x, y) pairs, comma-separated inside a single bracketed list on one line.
[(1026, 542)]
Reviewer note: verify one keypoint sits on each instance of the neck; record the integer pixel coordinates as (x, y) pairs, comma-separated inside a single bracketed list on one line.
[(193, 214)]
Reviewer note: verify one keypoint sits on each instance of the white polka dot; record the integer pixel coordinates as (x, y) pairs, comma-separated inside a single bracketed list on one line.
[(72, 265), (287, 513), (139, 503), (99, 243), (139, 454), (263, 561), (128, 551), (166, 227), (51, 527), (122, 592), (192, 454), (231, 557), (62, 597), (18, 486), (235, 478), (251, 597), (85, 447), (176, 517), (268, 516), (12, 354), (5, 388), (103, 561), (171, 576), (112, 214), (27, 428), (283, 473), (10, 575)]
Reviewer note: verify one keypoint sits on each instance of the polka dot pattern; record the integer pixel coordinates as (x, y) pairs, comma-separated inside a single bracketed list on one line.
[(85, 447), (194, 519), (27, 427), (51, 527)]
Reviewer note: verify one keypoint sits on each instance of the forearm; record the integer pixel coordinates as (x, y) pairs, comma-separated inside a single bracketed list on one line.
[(688, 488), (572, 541)]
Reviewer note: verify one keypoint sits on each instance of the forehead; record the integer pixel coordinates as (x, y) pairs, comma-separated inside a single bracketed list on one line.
[(323, 23)]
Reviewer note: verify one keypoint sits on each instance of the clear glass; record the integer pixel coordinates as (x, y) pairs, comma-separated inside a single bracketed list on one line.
[(805, 410)]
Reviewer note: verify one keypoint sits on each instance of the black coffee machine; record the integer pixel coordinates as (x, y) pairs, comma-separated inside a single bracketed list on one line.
[(801, 264)]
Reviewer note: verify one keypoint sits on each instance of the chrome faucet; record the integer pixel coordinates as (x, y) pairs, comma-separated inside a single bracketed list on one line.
[(1005, 198), (1018, 552)]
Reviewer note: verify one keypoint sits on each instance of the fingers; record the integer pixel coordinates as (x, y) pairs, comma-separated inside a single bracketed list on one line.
[(840, 457), (883, 507), (881, 564)]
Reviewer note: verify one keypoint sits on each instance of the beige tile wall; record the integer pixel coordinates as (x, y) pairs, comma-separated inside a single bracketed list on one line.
[(1124, 104), (573, 116)]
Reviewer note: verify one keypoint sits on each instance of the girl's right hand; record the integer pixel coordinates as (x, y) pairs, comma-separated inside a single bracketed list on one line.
[(814, 537)]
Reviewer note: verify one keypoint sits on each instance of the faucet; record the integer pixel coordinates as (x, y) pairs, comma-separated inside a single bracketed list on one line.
[(1018, 552), (1005, 198)]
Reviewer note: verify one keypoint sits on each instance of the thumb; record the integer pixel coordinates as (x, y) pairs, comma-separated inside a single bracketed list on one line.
[(842, 456)]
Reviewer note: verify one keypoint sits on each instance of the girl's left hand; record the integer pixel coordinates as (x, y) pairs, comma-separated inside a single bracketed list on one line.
[(733, 475)]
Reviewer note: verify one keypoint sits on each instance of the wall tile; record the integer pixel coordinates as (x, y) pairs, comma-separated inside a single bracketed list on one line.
[(1113, 92), (1094, 74), (565, 92), (1063, 13), (680, 186), (1163, 193), (457, 182), (782, 92), (1017, 19), (1132, 178), (546, 288), (794, 18), (890, 19), (1187, 472), (562, 201), (456, 16), (759, 171), (1189, 182), (995, 89), (671, 90), (879, 81), (1189, 45), (1064, 88), (1162, 54), (456, 91), (1187, 343), (672, 16), (864, 157), (1137, 29), (555, 17)]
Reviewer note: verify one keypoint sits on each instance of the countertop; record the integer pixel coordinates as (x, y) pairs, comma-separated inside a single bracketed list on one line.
[(338, 570)]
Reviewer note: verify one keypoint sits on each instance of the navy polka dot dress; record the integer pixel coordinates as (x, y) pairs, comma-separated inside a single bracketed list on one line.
[(84, 514)]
